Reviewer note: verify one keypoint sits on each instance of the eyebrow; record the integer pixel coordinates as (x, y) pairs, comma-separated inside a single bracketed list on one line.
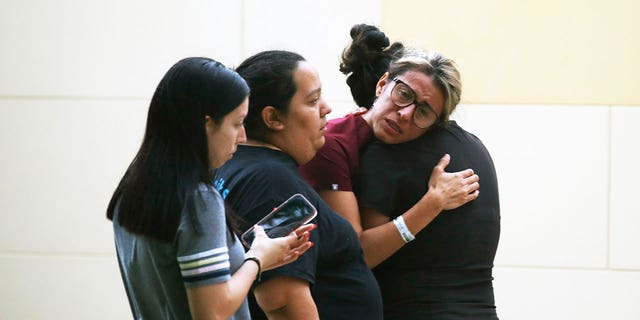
[(416, 96), (313, 92), (428, 106)]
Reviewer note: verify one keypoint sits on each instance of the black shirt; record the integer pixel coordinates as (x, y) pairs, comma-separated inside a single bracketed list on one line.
[(446, 272), (257, 180)]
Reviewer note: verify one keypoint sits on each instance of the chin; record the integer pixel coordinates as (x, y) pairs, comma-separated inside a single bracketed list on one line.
[(320, 143), (386, 139)]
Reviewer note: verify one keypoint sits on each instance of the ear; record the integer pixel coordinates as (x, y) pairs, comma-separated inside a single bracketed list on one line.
[(209, 125), (381, 83), (272, 118)]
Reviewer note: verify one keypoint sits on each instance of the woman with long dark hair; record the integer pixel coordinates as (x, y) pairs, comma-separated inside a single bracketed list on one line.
[(177, 253), (285, 128)]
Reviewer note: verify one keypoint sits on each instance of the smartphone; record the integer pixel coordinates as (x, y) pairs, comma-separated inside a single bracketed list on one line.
[(287, 217)]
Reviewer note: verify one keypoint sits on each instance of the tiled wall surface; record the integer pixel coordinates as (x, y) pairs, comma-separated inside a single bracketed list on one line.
[(74, 90), (570, 228), (61, 286), (566, 293), (553, 167), (625, 174), (108, 48), (533, 52)]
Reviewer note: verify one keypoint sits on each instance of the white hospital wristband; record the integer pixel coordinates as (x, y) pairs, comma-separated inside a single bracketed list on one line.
[(406, 235)]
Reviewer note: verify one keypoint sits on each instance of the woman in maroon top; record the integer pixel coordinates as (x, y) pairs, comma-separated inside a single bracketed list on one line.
[(413, 91)]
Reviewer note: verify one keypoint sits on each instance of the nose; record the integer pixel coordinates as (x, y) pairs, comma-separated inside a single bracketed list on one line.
[(407, 112), (242, 136), (325, 109)]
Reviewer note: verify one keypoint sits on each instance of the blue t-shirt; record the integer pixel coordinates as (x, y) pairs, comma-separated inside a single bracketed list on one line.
[(257, 180)]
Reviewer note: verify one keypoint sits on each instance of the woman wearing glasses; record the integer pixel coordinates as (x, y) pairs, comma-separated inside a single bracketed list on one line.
[(409, 92), (445, 271)]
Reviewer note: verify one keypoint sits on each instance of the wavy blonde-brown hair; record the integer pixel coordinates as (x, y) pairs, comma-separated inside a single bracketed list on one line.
[(441, 69)]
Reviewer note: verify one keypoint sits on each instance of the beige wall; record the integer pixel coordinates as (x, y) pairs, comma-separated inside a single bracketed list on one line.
[(76, 78), (547, 51), (75, 82), (553, 89)]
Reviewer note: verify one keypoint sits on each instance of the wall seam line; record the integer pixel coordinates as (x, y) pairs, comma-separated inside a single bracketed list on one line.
[(609, 172), (71, 97), (243, 29)]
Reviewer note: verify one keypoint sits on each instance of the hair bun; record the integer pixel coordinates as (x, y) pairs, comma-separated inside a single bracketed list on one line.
[(370, 36), (365, 60), (367, 44)]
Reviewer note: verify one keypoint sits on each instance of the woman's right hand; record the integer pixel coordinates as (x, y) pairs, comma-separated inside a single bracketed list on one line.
[(453, 188), (277, 252)]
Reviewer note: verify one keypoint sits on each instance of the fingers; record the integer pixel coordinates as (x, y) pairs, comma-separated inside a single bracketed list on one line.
[(304, 228), (299, 239), (298, 251), (301, 231), (292, 255), (289, 247), (303, 248), (472, 187), (443, 163), (259, 231), (300, 243), (471, 178), (294, 240), (360, 111), (461, 199), (300, 236), (466, 173), (470, 197)]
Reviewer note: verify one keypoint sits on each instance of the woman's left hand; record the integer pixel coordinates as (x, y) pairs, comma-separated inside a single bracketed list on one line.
[(454, 188)]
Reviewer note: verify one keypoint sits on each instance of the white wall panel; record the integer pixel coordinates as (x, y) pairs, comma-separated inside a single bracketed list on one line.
[(319, 30), (108, 48), (552, 165), (61, 287), (561, 294), (625, 174), (62, 160), (74, 88)]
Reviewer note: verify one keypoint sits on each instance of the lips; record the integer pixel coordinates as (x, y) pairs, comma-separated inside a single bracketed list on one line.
[(393, 126), (323, 127)]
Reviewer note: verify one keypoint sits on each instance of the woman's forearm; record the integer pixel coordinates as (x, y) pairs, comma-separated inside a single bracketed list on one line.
[(381, 239)]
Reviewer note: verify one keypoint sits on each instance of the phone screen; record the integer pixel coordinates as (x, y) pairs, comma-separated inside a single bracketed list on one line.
[(287, 217)]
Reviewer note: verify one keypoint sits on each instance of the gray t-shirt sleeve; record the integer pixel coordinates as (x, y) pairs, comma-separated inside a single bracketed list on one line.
[(201, 249)]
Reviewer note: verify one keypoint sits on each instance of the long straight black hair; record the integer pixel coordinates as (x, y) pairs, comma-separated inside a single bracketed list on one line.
[(174, 156)]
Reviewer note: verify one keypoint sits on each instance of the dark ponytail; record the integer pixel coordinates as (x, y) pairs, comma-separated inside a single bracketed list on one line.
[(365, 60), (269, 74)]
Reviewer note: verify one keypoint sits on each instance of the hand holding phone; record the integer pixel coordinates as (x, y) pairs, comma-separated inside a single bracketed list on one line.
[(287, 217)]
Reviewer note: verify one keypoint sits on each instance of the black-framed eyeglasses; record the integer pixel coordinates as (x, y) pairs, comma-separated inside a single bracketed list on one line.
[(403, 96)]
